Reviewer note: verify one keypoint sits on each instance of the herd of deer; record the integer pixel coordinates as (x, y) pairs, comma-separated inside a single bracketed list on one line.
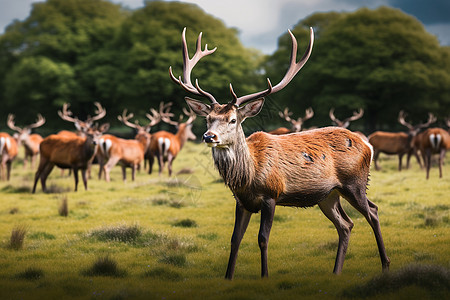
[(287, 167), (77, 150)]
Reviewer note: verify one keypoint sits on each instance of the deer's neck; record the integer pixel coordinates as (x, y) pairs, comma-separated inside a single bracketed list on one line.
[(181, 135), (235, 163)]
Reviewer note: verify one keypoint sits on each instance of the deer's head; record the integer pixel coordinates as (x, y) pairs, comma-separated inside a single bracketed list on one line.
[(224, 120)]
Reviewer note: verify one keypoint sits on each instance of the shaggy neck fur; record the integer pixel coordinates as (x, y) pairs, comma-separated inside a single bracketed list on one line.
[(234, 163)]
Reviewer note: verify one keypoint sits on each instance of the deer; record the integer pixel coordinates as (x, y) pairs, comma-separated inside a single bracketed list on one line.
[(128, 153), (433, 141), (296, 124), (81, 126), (8, 152), (398, 143), (30, 141), (165, 145), (144, 131), (75, 153), (303, 169)]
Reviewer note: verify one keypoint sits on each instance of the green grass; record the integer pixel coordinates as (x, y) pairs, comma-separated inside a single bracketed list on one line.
[(161, 238)]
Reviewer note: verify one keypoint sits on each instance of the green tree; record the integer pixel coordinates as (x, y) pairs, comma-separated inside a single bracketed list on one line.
[(381, 60)]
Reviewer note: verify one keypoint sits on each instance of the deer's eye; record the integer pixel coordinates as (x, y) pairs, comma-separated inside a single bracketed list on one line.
[(233, 121)]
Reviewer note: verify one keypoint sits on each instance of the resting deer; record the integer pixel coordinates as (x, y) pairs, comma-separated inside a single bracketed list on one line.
[(399, 143), (296, 124), (30, 141), (165, 145), (300, 169)]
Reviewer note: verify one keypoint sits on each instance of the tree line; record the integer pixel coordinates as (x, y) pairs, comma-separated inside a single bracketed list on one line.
[(80, 52)]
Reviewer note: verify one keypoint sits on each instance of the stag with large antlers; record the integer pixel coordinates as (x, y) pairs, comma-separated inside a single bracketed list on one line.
[(128, 153), (300, 169), (164, 145), (398, 143), (66, 115), (75, 153), (296, 125), (30, 141)]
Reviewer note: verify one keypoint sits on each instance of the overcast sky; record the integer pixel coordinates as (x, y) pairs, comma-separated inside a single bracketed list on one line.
[(261, 22)]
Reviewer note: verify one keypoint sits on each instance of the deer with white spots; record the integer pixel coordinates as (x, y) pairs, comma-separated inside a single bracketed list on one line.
[(303, 169)]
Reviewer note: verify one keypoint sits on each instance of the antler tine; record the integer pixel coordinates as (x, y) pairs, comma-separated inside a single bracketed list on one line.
[(431, 119), (286, 114), (101, 112), (192, 116), (65, 114), (309, 113), (401, 119), (332, 117), (39, 122), (189, 64), (166, 115), (356, 115), (124, 118), (293, 69), (154, 118), (11, 124)]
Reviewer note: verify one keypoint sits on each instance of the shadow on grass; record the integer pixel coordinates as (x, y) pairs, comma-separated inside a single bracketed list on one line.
[(435, 279)]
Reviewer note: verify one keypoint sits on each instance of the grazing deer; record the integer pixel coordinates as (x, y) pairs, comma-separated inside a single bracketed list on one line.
[(165, 145), (296, 124), (432, 141), (299, 169), (30, 141), (8, 152), (128, 153), (75, 153), (398, 143)]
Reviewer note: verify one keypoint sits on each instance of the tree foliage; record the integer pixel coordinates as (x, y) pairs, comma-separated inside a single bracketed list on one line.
[(81, 51), (381, 60)]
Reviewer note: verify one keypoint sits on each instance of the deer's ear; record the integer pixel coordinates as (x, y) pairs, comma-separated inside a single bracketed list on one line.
[(251, 109), (198, 107)]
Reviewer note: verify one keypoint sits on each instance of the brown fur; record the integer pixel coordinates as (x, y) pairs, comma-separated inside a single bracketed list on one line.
[(7, 154), (128, 153), (66, 152), (427, 148), (391, 143), (176, 143)]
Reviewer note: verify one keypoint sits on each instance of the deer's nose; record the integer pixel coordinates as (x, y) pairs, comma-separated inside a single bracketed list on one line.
[(209, 137)]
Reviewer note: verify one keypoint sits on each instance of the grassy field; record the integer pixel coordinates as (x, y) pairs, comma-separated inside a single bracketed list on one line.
[(161, 238)]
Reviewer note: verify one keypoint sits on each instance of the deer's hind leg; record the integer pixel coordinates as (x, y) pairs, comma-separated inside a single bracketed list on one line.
[(358, 199), (332, 209)]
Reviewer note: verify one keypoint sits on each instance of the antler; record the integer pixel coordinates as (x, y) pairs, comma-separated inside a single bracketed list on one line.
[(124, 119), (346, 122), (356, 116), (431, 119), (166, 115), (10, 123), (309, 113), (191, 114), (286, 114), (401, 119), (293, 69), (189, 64), (39, 122), (154, 118), (101, 112), (66, 114)]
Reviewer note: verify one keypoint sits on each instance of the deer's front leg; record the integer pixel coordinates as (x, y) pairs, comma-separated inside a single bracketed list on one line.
[(242, 219), (267, 212)]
